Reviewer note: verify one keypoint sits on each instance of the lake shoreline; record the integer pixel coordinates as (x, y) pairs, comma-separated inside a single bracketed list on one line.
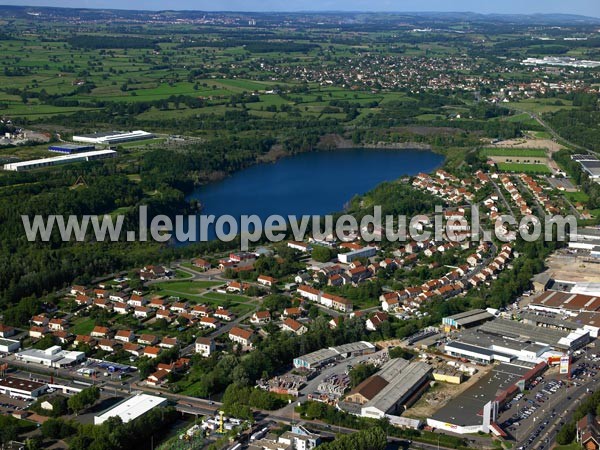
[(341, 144)]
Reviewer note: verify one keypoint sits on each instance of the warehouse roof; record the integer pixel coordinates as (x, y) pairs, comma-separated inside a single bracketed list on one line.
[(370, 387), (131, 408), (471, 348), (21, 384), (401, 387), (523, 332), (465, 408)]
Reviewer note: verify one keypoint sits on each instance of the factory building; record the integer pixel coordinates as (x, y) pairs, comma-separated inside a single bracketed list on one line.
[(365, 252), (568, 303), (394, 388), (59, 160), (70, 149), (52, 357), (9, 345), (515, 342), (466, 319), (324, 356), (114, 137), (131, 408), (22, 388)]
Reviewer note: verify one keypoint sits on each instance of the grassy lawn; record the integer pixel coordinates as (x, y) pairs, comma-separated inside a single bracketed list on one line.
[(543, 105), (523, 152), (83, 325), (577, 196), (186, 287), (226, 297), (573, 446), (181, 275), (526, 168)]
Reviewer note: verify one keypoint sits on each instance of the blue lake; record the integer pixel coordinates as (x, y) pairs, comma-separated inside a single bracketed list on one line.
[(310, 183)]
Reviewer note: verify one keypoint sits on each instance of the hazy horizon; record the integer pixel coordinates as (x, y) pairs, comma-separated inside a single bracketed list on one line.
[(580, 7)]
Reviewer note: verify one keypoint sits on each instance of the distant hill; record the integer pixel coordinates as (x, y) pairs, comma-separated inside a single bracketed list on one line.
[(10, 11)]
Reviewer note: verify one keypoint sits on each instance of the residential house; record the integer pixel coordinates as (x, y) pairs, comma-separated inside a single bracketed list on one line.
[(100, 332), (132, 348), (83, 300), (102, 303), (63, 337), (121, 308), (358, 274), (78, 290), (137, 300), (260, 318), (293, 326), (341, 304), (201, 264), (169, 342), (293, 312), (85, 339), (141, 312), (158, 303), (100, 293), (375, 321), (153, 273), (236, 286), (108, 345), (151, 351), (125, 336), (201, 311), (241, 336), (157, 378), (164, 314), (40, 320), (147, 339), (205, 346), (179, 307), (266, 281), (223, 314), (58, 325), (309, 293), (118, 297), (37, 332), (209, 322), (588, 432)]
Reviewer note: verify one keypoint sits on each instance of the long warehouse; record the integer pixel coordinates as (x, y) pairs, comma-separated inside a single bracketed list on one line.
[(59, 160), (131, 408), (114, 137)]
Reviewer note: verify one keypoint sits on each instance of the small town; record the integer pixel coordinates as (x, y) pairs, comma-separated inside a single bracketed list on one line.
[(468, 319)]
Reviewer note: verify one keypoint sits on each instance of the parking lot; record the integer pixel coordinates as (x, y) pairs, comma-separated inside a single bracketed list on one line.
[(529, 415), (10, 404)]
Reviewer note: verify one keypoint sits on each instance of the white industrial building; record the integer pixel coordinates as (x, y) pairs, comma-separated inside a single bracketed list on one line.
[(131, 408), (52, 357), (114, 137), (59, 160), (9, 345), (22, 388), (365, 252)]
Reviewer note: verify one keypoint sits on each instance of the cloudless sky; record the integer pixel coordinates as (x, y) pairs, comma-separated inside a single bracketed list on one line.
[(584, 7)]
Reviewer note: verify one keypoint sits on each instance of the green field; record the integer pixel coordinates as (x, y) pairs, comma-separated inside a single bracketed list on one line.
[(83, 325), (526, 168), (185, 287), (521, 152), (577, 196)]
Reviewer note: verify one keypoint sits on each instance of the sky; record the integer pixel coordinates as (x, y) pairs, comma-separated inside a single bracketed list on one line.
[(583, 7)]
